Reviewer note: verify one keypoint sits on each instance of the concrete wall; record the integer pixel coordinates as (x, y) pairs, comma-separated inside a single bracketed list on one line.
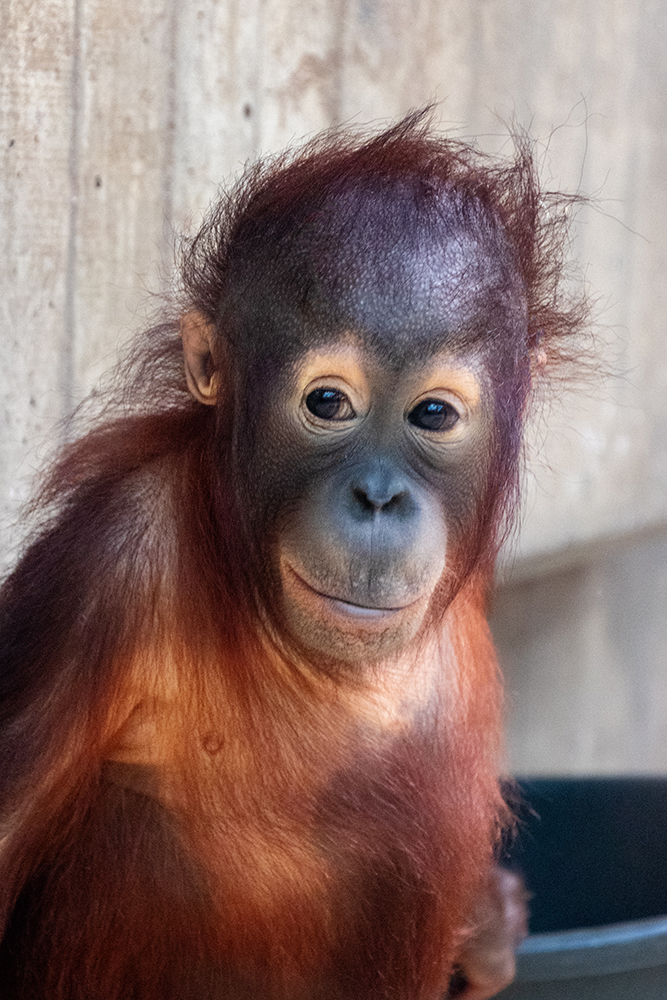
[(119, 120), (584, 650)]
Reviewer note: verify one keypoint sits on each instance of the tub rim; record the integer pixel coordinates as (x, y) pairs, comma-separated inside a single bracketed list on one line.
[(593, 951)]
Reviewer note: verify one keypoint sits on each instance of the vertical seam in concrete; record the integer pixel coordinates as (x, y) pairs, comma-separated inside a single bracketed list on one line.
[(66, 373), (473, 46), (258, 129), (171, 109), (340, 14)]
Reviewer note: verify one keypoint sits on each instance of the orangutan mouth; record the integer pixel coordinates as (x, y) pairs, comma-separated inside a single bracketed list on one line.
[(349, 608)]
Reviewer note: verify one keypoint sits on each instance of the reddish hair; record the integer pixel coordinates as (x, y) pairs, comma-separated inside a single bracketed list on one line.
[(276, 843)]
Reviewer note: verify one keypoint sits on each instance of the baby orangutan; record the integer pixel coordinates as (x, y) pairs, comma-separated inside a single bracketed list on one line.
[(250, 707)]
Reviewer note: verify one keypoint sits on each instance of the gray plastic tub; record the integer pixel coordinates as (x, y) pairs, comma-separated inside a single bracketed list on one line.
[(594, 854)]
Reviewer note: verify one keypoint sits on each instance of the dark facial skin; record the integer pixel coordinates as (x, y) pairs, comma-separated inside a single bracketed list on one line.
[(365, 545), (385, 425), (371, 436)]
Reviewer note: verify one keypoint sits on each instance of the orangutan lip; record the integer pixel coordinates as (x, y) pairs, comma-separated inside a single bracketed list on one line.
[(347, 607)]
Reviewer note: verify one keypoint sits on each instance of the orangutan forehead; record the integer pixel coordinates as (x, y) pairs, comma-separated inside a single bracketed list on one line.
[(435, 290), (400, 265), (409, 271)]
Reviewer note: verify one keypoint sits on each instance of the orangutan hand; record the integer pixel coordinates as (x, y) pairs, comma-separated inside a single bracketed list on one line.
[(486, 964)]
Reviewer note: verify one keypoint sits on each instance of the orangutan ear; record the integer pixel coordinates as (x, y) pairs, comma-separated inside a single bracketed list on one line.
[(197, 335), (540, 361)]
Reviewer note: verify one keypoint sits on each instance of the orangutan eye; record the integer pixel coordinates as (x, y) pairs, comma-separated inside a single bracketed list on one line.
[(329, 404), (434, 415)]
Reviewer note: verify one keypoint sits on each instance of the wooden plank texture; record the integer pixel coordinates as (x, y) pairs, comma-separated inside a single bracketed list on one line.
[(38, 210), (218, 58), (142, 109), (123, 162)]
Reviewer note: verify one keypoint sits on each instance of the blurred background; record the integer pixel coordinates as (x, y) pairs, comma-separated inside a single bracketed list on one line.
[(119, 119)]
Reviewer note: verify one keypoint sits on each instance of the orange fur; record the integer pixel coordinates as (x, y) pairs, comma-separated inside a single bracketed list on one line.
[(286, 863), (192, 805)]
